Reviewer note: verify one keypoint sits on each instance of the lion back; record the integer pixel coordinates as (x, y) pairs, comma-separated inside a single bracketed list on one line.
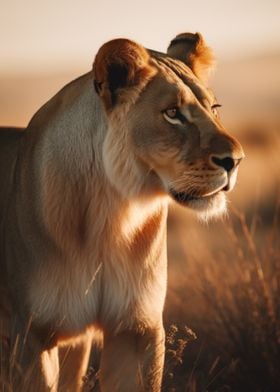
[(9, 142)]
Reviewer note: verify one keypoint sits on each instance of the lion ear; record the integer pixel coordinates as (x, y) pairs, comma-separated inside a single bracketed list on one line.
[(192, 50), (120, 64)]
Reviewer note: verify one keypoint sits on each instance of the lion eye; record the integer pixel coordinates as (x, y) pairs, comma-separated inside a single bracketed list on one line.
[(214, 109), (173, 116), (172, 113)]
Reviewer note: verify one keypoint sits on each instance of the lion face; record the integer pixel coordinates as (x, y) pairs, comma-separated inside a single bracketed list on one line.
[(164, 126)]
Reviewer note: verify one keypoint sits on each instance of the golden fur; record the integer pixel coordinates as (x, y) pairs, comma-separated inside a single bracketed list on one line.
[(83, 213)]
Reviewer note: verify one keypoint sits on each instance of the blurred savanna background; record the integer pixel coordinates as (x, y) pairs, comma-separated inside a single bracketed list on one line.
[(222, 312)]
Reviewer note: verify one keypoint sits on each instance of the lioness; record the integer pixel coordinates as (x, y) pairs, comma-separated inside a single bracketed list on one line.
[(84, 197)]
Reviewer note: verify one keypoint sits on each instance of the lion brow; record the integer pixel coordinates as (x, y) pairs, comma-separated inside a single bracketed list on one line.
[(185, 74)]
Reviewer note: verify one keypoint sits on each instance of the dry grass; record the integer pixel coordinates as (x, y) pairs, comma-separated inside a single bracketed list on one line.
[(230, 297)]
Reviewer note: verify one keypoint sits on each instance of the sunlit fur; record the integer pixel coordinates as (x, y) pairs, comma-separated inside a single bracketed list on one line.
[(84, 206)]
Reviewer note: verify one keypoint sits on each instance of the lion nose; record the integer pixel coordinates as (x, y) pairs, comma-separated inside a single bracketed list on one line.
[(227, 163)]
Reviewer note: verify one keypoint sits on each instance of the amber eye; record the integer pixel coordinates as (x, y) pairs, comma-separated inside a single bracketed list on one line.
[(174, 116), (172, 113)]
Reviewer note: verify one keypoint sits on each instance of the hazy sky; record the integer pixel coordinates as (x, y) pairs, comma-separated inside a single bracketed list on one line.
[(53, 34)]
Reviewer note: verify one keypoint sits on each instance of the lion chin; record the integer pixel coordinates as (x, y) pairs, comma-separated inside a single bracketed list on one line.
[(206, 207)]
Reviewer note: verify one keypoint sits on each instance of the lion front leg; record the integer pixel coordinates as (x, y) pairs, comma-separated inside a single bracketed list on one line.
[(73, 364), (133, 361)]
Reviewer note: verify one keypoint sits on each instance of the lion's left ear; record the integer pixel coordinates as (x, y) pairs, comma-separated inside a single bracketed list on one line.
[(192, 50), (120, 65)]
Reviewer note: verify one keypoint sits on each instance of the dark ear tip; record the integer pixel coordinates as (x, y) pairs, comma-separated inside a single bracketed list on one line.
[(189, 38)]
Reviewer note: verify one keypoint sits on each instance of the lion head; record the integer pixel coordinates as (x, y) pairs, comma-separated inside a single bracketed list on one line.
[(164, 132)]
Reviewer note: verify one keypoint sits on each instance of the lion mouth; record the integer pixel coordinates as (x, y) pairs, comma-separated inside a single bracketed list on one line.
[(182, 197), (185, 198), (207, 205)]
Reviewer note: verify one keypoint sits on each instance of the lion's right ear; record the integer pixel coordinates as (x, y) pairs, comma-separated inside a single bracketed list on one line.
[(120, 64)]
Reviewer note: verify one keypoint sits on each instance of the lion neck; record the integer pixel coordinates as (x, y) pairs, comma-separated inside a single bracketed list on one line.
[(81, 204)]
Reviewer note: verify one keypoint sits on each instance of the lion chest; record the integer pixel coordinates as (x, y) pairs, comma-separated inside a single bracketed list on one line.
[(120, 275), (119, 287)]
